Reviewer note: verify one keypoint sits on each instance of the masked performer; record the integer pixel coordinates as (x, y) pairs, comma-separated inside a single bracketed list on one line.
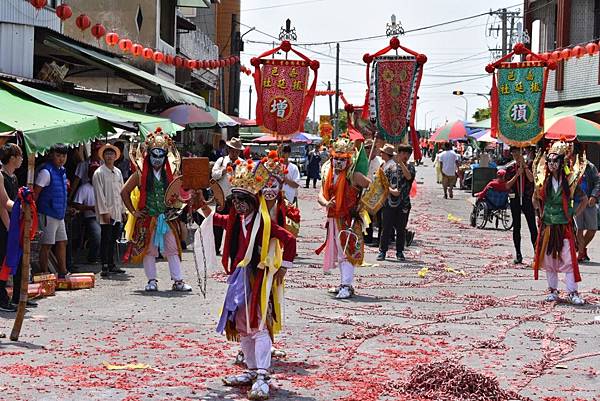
[(340, 193), (256, 254), (155, 229), (555, 250)]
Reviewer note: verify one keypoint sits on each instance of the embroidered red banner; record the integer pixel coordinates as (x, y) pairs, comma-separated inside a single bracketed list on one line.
[(283, 91)]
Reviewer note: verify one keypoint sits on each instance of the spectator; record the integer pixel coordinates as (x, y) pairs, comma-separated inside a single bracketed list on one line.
[(81, 172), (219, 152), (85, 202), (108, 182), (123, 163), (587, 221), (314, 167), (50, 194), (12, 157), (397, 207), (220, 174), (324, 155), (448, 164), (498, 184), (291, 181)]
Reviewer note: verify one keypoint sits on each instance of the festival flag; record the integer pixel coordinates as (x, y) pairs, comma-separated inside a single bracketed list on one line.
[(393, 93), (518, 91), (283, 94)]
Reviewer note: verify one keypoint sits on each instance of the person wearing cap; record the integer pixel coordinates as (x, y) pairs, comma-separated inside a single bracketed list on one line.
[(222, 176), (50, 195), (108, 182), (396, 209), (498, 184)]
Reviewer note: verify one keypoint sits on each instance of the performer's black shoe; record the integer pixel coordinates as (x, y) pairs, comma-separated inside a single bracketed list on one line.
[(381, 256), (518, 259)]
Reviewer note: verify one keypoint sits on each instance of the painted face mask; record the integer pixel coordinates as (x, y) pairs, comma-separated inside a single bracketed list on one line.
[(242, 204), (553, 162), (157, 157), (340, 164), (271, 190)]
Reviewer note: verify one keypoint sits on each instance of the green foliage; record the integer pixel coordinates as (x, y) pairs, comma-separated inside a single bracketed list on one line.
[(482, 114)]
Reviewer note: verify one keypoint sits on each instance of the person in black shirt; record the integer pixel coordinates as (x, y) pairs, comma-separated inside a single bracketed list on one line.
[(397, 207), (521, 203), (12, 158)]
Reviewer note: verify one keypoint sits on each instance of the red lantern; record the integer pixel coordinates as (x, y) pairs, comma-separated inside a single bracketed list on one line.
[(178, 62), (83, 22), (528, 57), (577, 51), (248, 72), (64, 12), (111, 39), (189, 64), (98, 31), (555, 55), (148, 53), (158, 57), (222, 63), (591, 48), (169, 59), (125, 45), (565, 54), (137, 49), (38, 4)]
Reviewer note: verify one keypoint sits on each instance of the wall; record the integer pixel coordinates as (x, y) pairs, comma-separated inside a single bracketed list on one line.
[(17, 21), (581, 80), (224, 12)]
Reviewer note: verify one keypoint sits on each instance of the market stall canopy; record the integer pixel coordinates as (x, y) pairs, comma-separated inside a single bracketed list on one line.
[(571, 128), (484, 135), (485, 124), (222, 119), (43, 126), (451, 131), (129, 119), (190, 116), (169, 90), (244, 122), (300, 137)]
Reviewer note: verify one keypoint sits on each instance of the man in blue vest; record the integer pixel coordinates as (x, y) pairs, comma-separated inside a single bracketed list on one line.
[(50, 194)]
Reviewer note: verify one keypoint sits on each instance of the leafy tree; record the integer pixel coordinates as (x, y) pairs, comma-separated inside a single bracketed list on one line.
[(482, 114)]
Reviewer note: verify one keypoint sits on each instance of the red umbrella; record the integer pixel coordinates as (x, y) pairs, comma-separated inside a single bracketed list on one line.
[(192, 116), (451, 131)]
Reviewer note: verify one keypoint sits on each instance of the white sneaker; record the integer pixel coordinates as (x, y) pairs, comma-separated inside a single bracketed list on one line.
[(345, 292), (260, 388), (152, 285), (245, 379), (575, 299), (181, 286), (552, 296)]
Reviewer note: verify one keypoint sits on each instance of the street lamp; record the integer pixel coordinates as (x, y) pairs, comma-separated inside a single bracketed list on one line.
[(431, 122), (461, 94), (425, 119), (250, 102)]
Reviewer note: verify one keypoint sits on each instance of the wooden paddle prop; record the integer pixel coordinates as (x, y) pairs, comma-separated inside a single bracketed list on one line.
[(25, 263)]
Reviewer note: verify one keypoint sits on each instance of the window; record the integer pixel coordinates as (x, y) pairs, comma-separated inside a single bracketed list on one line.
[(167, 21)]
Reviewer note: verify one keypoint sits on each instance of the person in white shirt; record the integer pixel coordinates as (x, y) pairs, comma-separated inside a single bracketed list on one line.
[(85, 202), (221, 174), (449, 163), (107, 182), (291, 181)]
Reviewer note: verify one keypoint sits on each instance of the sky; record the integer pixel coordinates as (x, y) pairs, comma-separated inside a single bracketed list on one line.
[(457, 53)]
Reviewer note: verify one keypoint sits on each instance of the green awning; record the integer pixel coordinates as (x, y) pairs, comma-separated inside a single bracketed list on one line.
[(129, 119), (43, 126), (222, 119), (192, 3), (170, 91)]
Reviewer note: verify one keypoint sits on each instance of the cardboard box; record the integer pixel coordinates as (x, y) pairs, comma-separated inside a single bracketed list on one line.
[(47, 282), (75, 283)]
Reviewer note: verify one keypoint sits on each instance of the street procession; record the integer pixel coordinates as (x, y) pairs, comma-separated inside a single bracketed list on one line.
[(299, 200)]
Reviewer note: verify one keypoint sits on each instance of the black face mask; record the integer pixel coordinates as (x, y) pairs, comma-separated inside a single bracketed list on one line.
[(243, 204)]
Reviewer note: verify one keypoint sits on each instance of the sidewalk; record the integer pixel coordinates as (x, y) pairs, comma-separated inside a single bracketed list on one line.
[(490, 318)]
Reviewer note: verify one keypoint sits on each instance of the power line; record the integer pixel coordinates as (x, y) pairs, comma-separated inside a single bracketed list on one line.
[(282, 5)]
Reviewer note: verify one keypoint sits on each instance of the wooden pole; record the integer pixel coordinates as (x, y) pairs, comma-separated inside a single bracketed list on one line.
[(14, 335)]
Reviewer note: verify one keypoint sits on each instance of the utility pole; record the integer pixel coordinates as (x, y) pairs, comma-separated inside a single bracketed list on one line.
[(337, 92), (504, 31), (330, 100), (250, 102)]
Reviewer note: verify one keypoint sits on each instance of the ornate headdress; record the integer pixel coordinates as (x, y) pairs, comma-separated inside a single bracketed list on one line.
[(342, 147), (249, 177), (559, 148), (158, 139), (274, 165)]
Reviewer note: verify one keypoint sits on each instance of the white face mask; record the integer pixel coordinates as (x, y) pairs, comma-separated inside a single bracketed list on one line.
[(272, 189), (340, 164), (157, 157)]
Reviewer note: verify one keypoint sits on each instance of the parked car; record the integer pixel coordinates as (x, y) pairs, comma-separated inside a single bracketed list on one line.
[(299, 157)]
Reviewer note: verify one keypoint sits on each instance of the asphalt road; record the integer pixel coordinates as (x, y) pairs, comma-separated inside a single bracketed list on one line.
[(490, 318)]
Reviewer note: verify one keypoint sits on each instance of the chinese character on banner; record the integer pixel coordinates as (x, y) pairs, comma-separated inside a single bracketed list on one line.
[(518, 102), (283, 93)]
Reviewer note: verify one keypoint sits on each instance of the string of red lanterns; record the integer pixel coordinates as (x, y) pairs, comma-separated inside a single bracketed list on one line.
[(98, 31), (577, 51)]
